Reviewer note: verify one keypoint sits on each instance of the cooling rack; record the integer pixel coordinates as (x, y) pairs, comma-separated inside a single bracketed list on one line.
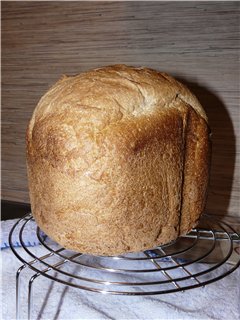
[(194, 260)]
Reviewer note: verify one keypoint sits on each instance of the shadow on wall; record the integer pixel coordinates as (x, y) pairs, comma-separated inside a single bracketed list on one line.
[(223, 149)]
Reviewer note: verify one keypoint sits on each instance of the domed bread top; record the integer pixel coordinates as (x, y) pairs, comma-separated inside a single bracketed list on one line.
[(117, 92)]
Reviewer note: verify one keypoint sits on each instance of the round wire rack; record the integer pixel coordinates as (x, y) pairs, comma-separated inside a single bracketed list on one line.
[(194, 260)]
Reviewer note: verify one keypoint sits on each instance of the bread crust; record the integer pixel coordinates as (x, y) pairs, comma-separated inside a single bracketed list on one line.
[(117, 160)]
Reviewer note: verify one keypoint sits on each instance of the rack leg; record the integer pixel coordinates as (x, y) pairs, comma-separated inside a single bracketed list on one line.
[(30, 290), (18, 289)]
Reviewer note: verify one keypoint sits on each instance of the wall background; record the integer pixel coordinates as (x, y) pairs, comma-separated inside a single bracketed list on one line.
[(197, 42)]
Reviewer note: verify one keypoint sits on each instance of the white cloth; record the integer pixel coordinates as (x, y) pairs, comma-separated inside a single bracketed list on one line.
[(32, 239), (51, 300)]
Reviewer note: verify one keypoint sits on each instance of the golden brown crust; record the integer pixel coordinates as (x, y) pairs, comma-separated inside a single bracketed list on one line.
[(117, 160)]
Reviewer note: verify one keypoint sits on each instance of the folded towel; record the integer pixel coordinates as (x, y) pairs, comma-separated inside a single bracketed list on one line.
[(52, 300)]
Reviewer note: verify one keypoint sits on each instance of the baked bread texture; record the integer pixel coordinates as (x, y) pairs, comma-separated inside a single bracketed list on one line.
[(118, 160)]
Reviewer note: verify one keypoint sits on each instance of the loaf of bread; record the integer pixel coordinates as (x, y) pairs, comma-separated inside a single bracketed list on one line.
[(118, 160)]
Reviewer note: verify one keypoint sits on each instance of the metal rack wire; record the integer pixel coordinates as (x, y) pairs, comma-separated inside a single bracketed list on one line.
[(191, 261)]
